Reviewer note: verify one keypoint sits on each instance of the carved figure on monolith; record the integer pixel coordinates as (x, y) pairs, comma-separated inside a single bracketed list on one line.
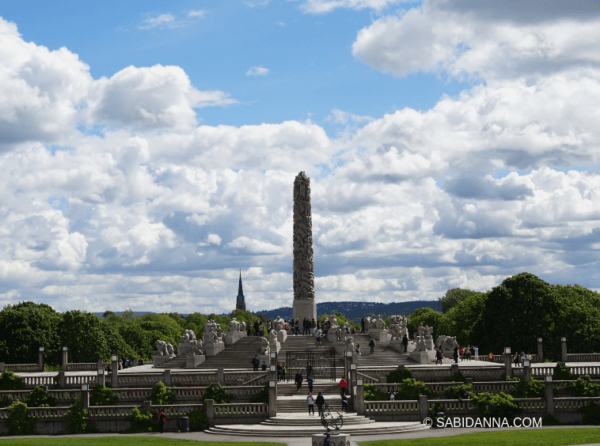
[(304, 280)]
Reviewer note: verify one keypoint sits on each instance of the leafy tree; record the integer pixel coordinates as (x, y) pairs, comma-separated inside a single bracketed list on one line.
[(454, 296), (103, 396), (498, 405), (411, 389), (455, 392), (462, 317), (10, 381), (262, 396), (427, 316), (78, 419), (458, 377), (161, 394), (199, 420), (562, 372), (398, 376), (25, 327), (39, 398), (583, 387), (591, 413), (142, 421), (535, 388), (73, 326), (216, 393), (372, 393), (19, 421)]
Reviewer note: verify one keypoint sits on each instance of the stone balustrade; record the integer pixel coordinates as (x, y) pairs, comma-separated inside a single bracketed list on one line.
[(572, 404), (19, 367), (34, 381), (85, 366), (110, 411), (235, 410), (583, 357), (398, 406)]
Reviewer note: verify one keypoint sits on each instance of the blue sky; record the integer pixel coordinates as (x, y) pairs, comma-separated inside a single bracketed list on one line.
[(149, 149)]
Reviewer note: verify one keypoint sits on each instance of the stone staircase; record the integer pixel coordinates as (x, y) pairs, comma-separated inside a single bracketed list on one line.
[(382, 356), (236, 356), (178, 362), (290, 400), (303, 425)]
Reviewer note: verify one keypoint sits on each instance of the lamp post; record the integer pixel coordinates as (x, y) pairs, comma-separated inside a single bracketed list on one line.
[(540, 349), (563, 350), (114, 371), (41, 359), (526, 370), (101, 378), (85, 395), (507, 361), (65, 357), (549, 391), (272, 398)]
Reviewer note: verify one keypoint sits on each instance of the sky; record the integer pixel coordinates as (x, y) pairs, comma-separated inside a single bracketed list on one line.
[(148, 150)]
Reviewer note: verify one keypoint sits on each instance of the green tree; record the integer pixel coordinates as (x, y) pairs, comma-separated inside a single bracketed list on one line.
[(427, 316), (39, 398), (411, 389), (10, 381), (498, 405), (161, 394), (25, 327), (103, 396), (19, 421), (78, 419), (462, 317), (454, 296), (76, 324)]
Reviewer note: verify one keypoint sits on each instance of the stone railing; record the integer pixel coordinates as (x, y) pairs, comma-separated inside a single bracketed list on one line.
[(34, 381), (572, 404), (583, 357), (242, 410), (19, 367), (140, 379), (369, 379), (85, 366), (179, 409), (193, 378), (397, 406), (110, 411)]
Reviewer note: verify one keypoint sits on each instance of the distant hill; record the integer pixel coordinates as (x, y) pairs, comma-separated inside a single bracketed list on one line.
[(357, 310), (119, 313)]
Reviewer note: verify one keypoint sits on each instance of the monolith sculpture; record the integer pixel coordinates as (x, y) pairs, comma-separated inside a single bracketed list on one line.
[(304, 279)]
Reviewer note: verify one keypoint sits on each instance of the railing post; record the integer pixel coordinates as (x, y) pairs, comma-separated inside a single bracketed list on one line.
[(85, 399), (549, 394), (540, 348), (210, 412), (526, 371), (2, 366), (423, 410), (41, 359), (114, 382), (65, 357), (61, 379), (146, 406), (167, 377), (221, 376), (453, 369), (272, 398), (507, 364), (469, 380), (359, 398), (563, 349)]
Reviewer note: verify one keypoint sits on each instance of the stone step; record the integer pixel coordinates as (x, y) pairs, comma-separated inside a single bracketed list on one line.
[(308, 420)]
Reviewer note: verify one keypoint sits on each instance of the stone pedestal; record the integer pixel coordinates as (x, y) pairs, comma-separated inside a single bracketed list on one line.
[(186, 348), (381, 335), (194, 360), (233, 336), (336, 440), (213, 349), (158, 360), (282, 336), (274, 346), (340, 347), (419, 357), (332, 336), (397, 345), (304, 308), (429, 343)]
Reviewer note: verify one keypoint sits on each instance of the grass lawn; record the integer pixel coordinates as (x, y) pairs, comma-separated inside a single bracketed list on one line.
[(537, 437), (124, 440)]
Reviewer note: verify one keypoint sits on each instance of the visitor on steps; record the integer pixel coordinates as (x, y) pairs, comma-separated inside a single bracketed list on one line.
[(456, 355), (279, 371), (161, 421), (319, 340), (320, 403), (327, 441), (313, 326), (298, 380), (261, 329), (284, 371), (263, 367), (405, 343), (344, 403), (256, 327), (358, 349), (309, 381), (343, 386), (255, 363), (372, 345), (362, 324), (311, 403), (438, 355)]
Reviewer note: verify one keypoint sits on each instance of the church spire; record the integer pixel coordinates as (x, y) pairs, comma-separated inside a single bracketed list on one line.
[(240, 301)]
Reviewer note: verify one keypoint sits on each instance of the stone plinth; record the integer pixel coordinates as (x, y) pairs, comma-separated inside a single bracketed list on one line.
[(419, 357), (194, 360), (336, 440), (158, 360), (397, 345), (340, 347), (185, 348), (213, 349), (274, 346), (381, 335), (304, 308), (429, 343), (332, 336), (282, 336), (233, 336)]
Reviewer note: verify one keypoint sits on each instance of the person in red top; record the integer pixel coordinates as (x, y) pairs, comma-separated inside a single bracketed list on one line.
[(343, 386)]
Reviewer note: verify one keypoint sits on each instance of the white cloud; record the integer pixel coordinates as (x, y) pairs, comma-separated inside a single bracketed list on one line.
[(200, 13), (161, 21), (342, 117), (170, 21), (255, 3), (213, 239), (257, 71)]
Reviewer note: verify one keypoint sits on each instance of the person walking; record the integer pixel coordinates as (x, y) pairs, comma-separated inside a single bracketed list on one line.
[(327, 441), (344, 403), (320, 403), (310, 381), (297, 326), (161, 421), (298, 380), (261, 328), (438, 355), (358, 349), (318, 339), (256, 363), (372, 345), (279, 371), (343, 386), (362, 324), (313, 326), (455, 355), (256, 327), (311, 403), (405, 343), (263, 367)]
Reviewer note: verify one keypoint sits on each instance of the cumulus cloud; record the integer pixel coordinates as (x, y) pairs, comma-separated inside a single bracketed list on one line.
[(492, 42), (257, 71), (342, 117), (171, 21), (200, 13)]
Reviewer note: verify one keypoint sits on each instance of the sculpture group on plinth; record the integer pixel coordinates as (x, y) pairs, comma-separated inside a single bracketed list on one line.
[(424, 343), (163, 353), (237, 331), (378, 331), (279, 326), (448, 343), (398, 330), (190, 348), (212, 339)]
